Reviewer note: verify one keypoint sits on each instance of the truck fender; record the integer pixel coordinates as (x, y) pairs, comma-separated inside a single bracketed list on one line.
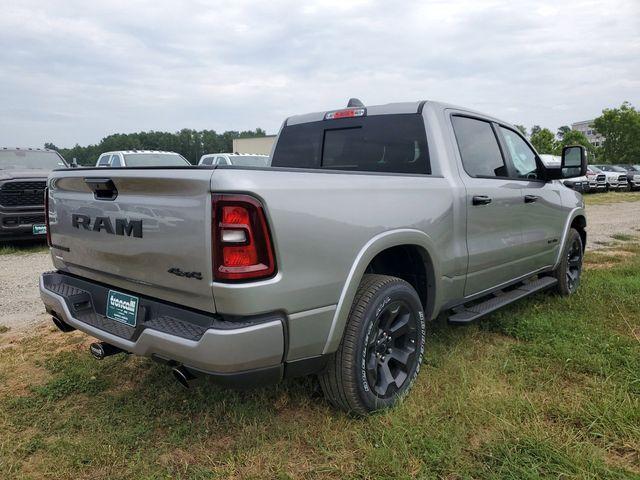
[(576, 212), (373, 247)]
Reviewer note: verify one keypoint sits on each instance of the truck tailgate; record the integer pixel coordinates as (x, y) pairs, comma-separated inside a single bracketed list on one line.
[(153, 238)]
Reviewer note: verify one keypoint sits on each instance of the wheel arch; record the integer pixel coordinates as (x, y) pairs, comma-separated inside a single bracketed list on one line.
[(371, 259), (579, 222), (576, 218)]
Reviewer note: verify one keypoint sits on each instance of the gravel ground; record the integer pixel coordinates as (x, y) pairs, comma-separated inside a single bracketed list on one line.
[(20, 303), (614, 218), (21, 308)]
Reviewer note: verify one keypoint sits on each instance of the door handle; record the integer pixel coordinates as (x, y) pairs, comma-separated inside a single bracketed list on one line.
[(103, 188), (481, 200), (530, 198)]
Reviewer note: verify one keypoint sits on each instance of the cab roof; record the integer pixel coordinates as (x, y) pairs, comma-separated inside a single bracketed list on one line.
[(391, 108)]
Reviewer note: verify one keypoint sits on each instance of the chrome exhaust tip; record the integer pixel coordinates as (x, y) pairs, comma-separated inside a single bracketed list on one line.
[(101, 350), (61, 324), (182, 375)]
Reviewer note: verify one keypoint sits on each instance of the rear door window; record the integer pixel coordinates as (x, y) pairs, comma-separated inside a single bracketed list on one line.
[(479, 150), (380, 143)]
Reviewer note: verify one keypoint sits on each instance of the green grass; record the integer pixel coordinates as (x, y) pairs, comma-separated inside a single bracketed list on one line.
[(23, 248), (623, 237), (611, 197), (547, 388)]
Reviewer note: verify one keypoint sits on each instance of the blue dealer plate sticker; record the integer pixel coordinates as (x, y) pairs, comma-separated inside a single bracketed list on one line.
[(122, 307), (39, 229)]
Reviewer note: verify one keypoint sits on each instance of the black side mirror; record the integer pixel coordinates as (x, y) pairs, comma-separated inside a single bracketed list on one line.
[(573, 164), (574, 161)]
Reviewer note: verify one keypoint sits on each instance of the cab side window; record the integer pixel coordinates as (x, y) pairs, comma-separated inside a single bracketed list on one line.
[(104, 161), (522, 156), (115, 161), (207, 161), (479, 150)]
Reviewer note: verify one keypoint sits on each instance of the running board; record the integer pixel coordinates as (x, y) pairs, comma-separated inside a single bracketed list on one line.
[(468, 314)]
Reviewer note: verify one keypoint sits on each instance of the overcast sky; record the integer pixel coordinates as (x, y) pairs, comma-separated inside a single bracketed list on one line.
[(76, 71)]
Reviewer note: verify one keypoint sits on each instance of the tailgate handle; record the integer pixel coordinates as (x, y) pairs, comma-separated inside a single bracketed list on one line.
[(103, 188)]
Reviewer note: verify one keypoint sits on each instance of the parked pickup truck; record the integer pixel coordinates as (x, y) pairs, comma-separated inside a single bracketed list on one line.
[(370, 222), (23, 177)]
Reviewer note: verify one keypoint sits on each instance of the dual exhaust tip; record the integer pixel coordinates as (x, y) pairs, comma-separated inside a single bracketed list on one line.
[(102, 350)]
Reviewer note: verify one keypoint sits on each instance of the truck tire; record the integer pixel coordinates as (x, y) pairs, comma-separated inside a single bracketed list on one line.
[(570, 268), (381, 350)]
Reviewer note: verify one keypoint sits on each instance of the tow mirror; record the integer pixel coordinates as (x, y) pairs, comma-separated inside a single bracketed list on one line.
[(574, 161), (74, 163), (573, 164)]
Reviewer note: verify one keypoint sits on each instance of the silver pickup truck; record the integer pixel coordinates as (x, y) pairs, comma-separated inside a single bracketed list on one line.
[(370, 222)]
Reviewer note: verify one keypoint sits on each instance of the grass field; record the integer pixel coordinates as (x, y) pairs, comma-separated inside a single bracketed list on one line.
[(611, 197), (547, 388)]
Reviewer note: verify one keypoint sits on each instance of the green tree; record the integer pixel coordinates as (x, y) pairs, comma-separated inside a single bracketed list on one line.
[(621, 129), (535, 129), (522, 128), (562, 131), (543, 140), (574, 137), (191, 144)]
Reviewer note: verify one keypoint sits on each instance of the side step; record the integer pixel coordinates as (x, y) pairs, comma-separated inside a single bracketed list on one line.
[(470, 313)]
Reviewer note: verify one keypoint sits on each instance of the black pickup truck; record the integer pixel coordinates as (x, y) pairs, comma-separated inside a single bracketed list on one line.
[(23, 177)]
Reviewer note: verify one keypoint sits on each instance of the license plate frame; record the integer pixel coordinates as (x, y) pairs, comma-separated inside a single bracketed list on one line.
[(122, 307), (39, 229)]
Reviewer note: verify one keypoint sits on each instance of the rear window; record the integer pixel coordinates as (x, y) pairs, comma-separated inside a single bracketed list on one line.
[(250, 160), (155, 160), (380, 143)]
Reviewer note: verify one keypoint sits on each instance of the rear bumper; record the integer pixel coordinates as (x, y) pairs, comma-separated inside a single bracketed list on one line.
[(18, 224), (233, 350)]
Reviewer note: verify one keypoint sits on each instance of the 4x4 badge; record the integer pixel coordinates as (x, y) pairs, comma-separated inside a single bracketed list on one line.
[(180, 273)]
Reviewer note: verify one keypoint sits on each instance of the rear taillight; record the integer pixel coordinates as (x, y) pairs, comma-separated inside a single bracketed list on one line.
[(46, 216), (242, 248)]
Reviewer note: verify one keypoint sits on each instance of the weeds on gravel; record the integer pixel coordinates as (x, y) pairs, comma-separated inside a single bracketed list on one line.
[(4, 329), (623, 237), (546, 388), (611, 197), (17, 249)]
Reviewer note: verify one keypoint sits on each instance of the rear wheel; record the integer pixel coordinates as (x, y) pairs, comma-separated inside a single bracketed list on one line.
[(381, 350), (570, 268)]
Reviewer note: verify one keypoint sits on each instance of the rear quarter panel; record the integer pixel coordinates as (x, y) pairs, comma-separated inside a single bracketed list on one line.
[(322, 222)]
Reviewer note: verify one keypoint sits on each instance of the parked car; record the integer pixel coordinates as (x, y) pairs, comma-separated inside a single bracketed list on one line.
[(329, 262), (579, 184), (239, 159), (615, 181), (597, 180), (616, 176), (23, 177), (141, 158), (633, 175)]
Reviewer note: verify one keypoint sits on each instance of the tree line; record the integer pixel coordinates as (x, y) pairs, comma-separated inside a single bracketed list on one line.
[(619, 126), (191, 144)]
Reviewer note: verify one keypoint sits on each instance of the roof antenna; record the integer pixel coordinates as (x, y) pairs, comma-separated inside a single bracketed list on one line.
[(355, 102)]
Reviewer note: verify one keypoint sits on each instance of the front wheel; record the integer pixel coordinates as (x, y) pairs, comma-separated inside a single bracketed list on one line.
[(570, 268), (381, 350)]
